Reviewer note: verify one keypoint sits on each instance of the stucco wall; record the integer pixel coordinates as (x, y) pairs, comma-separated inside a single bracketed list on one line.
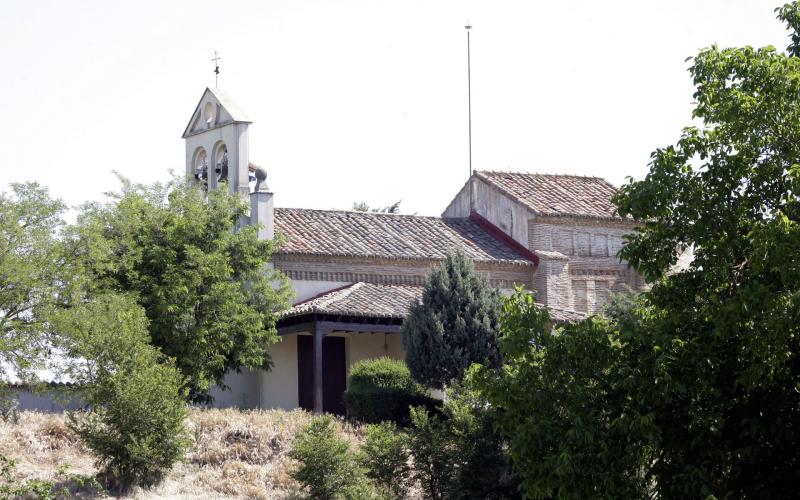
[(242, 393), (234, 136), (460, 206), (48, 401), (306, 289), (279, 386), (373, 345)]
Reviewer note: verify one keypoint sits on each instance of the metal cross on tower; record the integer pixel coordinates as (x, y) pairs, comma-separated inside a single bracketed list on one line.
[(216, 61)]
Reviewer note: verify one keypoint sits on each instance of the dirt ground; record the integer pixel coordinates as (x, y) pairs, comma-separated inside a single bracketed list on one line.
[(235, 454)]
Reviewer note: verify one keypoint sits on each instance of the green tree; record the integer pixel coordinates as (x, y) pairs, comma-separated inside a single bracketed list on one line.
[(719, 342), (30, 262), (561, 401), (454, 326), (135, 424), (204, 281)]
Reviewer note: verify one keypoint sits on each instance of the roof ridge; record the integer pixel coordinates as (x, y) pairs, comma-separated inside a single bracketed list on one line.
[(578, 176), (340, 294), (359, 212)]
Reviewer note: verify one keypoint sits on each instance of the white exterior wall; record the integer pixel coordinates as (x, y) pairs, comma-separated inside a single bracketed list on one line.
[(234, 136), (279, 386), (373, 345), (305, 290), (243, 390), (47, 401)]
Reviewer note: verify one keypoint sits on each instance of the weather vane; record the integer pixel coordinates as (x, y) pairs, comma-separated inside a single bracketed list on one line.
[(216, 60)]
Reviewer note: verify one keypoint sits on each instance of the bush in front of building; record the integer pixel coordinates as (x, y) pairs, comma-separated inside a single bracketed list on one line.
[(325, 465), (381, 390), (384, 456)]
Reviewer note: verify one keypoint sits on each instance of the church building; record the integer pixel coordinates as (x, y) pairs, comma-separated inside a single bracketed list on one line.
[(355, 273)]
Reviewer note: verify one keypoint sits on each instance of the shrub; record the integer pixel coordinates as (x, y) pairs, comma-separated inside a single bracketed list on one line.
[(326, 467), (384, 457), (458, 453), (432, 447), (483, 464), (382, 389), (40, 489), (135, 426)]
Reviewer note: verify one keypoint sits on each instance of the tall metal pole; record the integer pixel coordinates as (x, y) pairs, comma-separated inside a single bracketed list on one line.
[(216, 60), (469, 99)]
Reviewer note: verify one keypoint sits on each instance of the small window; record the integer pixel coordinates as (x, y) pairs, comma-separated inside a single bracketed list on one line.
[(579, 296), (564, 243), (582, 243), (601, 293), (600, 245)]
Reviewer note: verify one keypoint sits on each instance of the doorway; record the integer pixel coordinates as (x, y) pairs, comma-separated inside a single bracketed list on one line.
[(334, 373)]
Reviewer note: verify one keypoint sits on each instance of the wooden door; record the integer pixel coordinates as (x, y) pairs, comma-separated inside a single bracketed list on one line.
[(305, 372), (334, 373)]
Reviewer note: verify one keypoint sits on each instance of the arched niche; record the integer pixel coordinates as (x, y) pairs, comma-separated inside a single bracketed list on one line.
[(220, 161), (200, 165)]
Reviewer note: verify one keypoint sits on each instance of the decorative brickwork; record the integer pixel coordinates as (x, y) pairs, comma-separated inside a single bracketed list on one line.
[(391, 271)]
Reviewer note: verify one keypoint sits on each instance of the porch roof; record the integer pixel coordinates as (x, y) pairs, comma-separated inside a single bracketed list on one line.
[(380, 302)]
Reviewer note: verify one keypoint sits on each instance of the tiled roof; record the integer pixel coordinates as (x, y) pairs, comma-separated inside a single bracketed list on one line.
[(369, 300), (367, 234), (361, 300), (559, 195)]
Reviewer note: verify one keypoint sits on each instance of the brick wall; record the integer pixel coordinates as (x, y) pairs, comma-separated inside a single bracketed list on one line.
[(592, 271)]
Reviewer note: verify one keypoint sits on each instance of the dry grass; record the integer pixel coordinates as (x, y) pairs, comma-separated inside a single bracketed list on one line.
[(235, 454)]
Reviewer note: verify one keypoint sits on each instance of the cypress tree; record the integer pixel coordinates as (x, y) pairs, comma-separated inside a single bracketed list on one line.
[(455, 325)]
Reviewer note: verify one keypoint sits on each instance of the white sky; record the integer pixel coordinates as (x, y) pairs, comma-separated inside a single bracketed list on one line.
[(355, 100)]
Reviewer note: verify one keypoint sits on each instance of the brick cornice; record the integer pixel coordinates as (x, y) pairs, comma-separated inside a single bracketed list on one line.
[(584, 221), (399, 261)]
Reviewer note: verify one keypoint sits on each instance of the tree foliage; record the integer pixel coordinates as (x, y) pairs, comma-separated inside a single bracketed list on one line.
[(394, 208), (691, 390), (454, 326), (30, 262), (561, 402), (719, 342), (135, 424), (203, 280)]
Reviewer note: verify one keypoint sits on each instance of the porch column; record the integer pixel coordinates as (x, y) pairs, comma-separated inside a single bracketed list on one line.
[(319, 334)]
